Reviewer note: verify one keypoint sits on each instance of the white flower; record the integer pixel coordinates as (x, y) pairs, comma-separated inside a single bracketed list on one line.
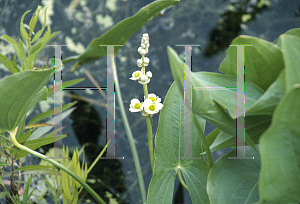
[(136, 75), (143, 46), (139, 62), (149, 74), (144, 79), (154, 98), (135, 105), (146, 60), (151, 107), (145, 36), (142, 51)]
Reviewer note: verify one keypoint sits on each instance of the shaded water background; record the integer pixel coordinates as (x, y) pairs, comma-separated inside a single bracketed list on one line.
[(189, 22)]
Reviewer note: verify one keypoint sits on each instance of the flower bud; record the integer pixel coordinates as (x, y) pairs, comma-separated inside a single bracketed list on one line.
[(146, 60), (139, 62), (149, 74), (144, 78)]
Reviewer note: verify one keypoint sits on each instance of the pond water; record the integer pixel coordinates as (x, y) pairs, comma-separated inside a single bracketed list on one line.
[(212, 24)]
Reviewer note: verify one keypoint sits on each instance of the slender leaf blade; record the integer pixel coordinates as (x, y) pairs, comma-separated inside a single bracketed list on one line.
[(121, 32), (9, 64)]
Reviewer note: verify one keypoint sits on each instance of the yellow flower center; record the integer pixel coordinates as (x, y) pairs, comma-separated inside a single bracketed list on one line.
[(137, 105), (152, 107), (137, 74), (152, 98)]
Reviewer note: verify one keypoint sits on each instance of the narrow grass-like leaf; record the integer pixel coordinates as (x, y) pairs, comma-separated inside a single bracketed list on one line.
[(65, 84), (23, 31), (34, 19), (34, 167), (49, 113), (34, 144), (23, 58), (40, 32), (4, 163), (14, 44), (9, 64)]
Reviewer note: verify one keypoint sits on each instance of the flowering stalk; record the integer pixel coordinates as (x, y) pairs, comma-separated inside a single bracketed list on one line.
[(151, 104)]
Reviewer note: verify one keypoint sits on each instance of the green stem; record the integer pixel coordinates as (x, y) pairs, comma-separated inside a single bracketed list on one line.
[(150, 141), (149, 124), (181, 180), (204, 143), (58, 165), (129, 135)]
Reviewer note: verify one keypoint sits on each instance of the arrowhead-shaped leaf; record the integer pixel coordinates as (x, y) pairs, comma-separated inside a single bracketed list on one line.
[(169, 144)]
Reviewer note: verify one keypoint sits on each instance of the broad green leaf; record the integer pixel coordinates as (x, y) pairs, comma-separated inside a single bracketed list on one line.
[(40, 32), (234, 180), (279, 180), (21, 126), (255, 125), (203, 103), (24, 33), (65, 84), (263, 60), (222, 141), (34, 144), (169, 144), (267, 103), (211, 137), (40, 96), (121, 32), (9, 64), (290, 45), (17, 93), (227, 98), (34, 167), (49, 113), (294, 31)]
